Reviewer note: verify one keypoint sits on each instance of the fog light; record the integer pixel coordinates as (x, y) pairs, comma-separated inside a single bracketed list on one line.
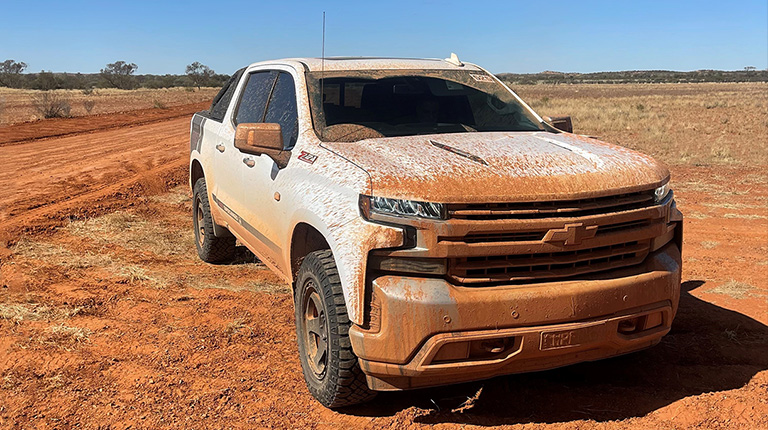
[(628, 326)]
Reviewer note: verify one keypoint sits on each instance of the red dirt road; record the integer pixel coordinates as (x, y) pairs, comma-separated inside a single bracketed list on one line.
[(109, 320)]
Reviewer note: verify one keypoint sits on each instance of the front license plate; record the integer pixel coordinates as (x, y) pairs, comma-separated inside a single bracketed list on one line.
[(566, 338)]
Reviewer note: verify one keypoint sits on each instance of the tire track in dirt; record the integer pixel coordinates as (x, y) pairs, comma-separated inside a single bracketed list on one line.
[(98, 201), (46, 181)]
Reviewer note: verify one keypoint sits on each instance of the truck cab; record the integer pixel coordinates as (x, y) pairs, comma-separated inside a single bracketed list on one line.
[(434, 228)]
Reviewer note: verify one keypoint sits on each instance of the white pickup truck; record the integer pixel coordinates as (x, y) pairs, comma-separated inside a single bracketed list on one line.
[(434, 228)]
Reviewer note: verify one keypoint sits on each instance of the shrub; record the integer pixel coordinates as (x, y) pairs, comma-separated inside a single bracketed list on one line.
[(158, 104), (51, 105), (88, 105)]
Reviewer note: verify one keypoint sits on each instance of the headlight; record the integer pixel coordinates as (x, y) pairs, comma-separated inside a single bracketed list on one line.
[(398, 207), (430, 266), (660, 193)]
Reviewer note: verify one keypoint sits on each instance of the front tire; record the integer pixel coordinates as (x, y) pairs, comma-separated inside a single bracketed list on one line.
[(331, 369), (210, 248)]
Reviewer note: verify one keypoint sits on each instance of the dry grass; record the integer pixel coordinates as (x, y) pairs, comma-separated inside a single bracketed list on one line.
[(176, 196), (735, 289), (59, 256), (135, 233), (60, 336), (19, 105), (745, 216), (678, 123), (64, 334), (236, 326), (44, 258), (18, 312)]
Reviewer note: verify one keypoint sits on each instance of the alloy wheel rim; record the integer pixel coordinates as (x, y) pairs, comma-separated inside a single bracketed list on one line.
[(200, 224), (315, 330)]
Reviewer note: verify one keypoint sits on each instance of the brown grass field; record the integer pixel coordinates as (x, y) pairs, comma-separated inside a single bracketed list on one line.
[(678, 123), (109, 320), (19, 105)]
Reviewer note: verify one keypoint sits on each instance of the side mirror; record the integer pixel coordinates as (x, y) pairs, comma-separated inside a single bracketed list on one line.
[(562, 123), (262, 138)]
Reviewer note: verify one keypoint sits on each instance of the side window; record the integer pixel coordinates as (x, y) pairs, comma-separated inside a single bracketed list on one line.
[(222, 99), (282, 109), (254, 98)]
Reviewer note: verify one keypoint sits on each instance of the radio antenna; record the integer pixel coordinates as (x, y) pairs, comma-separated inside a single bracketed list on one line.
[(322, 79)]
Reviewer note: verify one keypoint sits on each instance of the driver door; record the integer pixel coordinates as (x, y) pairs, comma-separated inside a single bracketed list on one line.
[(256, 172)]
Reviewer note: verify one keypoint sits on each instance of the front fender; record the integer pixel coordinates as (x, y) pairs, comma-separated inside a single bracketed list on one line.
[(351, 238)]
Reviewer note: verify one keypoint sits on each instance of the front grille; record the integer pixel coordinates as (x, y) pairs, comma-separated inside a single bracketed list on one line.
[(542, 266), (527, 242), (551, 209)]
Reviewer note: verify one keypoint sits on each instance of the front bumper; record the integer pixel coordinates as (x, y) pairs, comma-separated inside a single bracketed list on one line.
[(428, 332)]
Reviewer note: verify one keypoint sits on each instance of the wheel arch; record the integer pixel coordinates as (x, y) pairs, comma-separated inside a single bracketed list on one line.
[(195, 172), (304, 240)]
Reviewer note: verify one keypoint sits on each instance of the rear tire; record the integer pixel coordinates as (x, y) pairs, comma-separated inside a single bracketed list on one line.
[(331, 369), (210, 248)]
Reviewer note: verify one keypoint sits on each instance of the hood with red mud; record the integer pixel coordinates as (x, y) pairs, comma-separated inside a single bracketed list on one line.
[(500, 167)]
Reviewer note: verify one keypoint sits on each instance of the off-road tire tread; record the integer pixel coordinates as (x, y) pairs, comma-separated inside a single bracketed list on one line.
[(214, 249), (347, 385)]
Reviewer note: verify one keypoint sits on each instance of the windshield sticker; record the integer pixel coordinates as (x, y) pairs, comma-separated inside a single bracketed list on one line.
[(481, 78)]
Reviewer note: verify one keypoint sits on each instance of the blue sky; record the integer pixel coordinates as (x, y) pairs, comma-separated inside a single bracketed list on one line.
[(510, 36)]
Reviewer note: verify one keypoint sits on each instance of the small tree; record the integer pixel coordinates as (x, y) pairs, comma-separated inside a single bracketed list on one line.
[(199, 73), (10, 73), (119, 74)]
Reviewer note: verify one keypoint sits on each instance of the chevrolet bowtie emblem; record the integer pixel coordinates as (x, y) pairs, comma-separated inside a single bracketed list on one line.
[(571, 234)]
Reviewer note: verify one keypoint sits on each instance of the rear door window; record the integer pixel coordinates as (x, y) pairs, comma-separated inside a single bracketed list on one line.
[(253, 102), (282, 109)]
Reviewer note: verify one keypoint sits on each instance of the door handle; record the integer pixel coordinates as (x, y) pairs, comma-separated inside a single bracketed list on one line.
[(249, 162), (220, 147)]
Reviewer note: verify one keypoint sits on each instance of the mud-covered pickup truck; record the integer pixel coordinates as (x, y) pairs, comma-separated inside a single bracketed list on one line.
[(434, 228)]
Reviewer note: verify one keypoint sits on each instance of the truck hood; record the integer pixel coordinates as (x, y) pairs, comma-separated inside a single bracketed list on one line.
[(500, 167)]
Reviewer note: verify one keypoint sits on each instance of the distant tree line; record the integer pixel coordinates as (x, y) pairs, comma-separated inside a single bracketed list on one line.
[(749, 74), (119, 74)]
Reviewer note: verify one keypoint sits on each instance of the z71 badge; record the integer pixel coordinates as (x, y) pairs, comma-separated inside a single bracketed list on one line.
[(307, 157)]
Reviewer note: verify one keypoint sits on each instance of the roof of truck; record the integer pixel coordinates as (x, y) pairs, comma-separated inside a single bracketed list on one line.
[(374, 63)]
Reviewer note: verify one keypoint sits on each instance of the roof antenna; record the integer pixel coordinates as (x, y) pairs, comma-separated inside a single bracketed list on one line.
[(322, 80)]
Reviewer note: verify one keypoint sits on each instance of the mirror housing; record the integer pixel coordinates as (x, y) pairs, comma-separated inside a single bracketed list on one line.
[(262, 138), (562, 123)]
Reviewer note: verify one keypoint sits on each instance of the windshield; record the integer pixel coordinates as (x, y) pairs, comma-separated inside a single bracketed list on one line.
[(385, 103)]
